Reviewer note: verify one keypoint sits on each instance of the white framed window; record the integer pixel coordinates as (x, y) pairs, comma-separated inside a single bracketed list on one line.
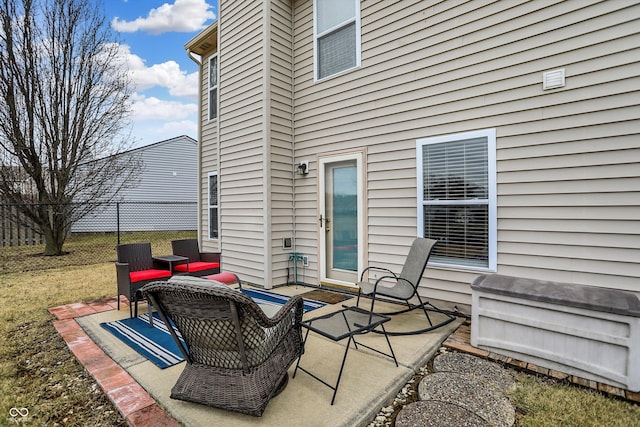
[(213, 87), (213, 206), (457, 198), (336, 36)]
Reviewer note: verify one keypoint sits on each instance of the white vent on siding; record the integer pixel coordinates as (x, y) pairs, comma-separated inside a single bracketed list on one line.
[(553, 79)]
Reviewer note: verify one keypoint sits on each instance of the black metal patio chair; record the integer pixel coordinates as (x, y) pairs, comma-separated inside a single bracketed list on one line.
[(404, 287)]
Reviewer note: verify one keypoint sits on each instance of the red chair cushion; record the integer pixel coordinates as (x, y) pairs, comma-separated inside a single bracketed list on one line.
[(196, 266), (137, 276), (226, 278)]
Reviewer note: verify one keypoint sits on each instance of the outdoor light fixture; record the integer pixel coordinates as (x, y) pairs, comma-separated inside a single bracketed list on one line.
[(303, 167)]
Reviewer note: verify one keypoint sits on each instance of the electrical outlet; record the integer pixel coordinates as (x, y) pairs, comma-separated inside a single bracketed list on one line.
[(305, 261)]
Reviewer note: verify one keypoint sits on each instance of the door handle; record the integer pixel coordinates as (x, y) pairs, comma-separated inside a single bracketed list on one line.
[(324, 222)]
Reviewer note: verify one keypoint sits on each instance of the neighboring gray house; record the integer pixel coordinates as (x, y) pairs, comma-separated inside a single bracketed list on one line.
[(508, 130), (164, 197)]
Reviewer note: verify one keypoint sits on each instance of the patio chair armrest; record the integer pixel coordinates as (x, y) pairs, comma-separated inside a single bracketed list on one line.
[(405, 280), (122, 279), (386, 270), (294, 304), (381, 278), (210, 256), (122, 268)]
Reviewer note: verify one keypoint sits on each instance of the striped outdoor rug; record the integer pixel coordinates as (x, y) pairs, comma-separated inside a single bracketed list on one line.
[(266, 297), (156, 344)]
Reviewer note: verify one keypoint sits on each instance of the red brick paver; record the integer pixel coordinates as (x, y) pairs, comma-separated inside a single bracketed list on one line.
[(131, 400)]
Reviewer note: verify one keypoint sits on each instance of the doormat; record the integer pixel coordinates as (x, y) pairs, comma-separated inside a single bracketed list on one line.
[(326, 296)]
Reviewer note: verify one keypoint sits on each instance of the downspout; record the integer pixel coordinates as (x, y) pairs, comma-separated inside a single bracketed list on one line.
[(266, 152), (194, 59), (293, 143), (199, 164)]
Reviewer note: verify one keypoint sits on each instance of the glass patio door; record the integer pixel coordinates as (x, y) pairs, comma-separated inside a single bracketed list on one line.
[(340, 219)]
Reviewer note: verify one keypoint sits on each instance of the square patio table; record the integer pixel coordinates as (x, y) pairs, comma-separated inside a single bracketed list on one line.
[(345, 323), (171, 260)]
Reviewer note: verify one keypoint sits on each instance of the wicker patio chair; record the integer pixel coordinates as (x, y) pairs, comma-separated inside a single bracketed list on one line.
[(404, 287), (200, 263), (237, 357), (135, 268)]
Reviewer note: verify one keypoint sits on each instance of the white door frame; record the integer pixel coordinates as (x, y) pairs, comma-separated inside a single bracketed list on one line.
[(323, 161)]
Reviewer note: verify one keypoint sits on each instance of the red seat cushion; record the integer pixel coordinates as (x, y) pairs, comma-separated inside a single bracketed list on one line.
[(196, 266), (137, 276), (226, 278)]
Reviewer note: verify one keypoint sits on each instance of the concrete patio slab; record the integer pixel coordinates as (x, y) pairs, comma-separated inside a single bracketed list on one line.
[(369, 381)]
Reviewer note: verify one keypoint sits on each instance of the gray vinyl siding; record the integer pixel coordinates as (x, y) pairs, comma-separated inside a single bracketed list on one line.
[(280, 138), (567, 159), (168, 174), (241, 132)]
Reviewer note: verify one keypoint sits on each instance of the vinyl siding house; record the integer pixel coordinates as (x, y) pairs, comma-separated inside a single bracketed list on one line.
[(509, 130), (167, 174)]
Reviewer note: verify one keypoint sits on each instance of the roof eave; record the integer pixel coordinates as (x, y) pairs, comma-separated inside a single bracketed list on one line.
[(204, 42)]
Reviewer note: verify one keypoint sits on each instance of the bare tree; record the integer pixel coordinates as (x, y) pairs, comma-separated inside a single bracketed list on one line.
[(65, 94)]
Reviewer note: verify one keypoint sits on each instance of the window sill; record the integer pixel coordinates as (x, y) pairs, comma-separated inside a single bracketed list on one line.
[(332, 76), (461, 268)]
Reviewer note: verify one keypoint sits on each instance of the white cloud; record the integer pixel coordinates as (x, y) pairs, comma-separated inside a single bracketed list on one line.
[(152, 108), (145, 133), (155, 120), (167, 74), (182, 16), (183, 127)]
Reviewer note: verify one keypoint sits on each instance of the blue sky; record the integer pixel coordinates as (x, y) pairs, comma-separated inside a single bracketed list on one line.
[(152, 37)]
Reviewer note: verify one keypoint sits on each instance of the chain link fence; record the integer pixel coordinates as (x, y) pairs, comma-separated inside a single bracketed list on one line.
[(93, 239)]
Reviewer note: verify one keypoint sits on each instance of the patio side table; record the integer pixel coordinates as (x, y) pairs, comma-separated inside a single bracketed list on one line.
[(171, 260), (345, 323)]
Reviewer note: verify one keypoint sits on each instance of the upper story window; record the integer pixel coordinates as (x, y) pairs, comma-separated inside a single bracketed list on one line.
[(213, 87), (457, 198), (336, 36)]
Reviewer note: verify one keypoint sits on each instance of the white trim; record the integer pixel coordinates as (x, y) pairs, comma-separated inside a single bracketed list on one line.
[(490, 134), (209, 88), (322, 262), (209, 206)]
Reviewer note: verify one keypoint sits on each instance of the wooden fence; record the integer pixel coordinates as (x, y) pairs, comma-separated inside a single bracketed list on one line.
[(16, 229)]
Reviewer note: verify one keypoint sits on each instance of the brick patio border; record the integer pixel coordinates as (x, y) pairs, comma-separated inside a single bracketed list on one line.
[(132, 401)]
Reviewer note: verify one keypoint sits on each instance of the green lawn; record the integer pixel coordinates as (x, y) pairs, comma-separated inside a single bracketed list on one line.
[(84, 249)]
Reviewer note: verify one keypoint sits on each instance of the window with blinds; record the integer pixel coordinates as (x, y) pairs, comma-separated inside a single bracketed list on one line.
[(456, 192), (213, 205), (336, 36), (213, 87)]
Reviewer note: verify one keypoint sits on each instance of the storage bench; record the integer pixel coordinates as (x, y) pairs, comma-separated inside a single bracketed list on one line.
[(587, 331)]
